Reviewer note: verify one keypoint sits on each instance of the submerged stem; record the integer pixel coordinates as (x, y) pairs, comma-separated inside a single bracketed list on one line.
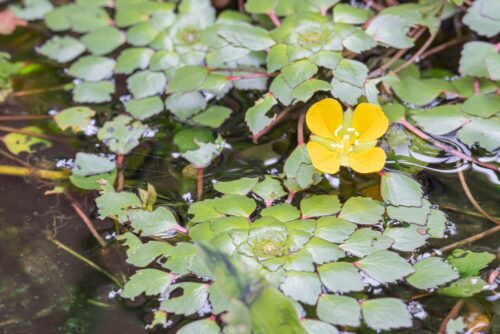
[(24, 117), (30, 133), (67, 86), (85, 260), (86, 220), (52, 175), (199, 188), (453, 314), (268, 128), (469, 240), (120, 178), (300, 129)]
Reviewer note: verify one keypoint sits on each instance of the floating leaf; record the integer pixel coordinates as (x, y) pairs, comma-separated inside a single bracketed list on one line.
[(185, 105), (94, 92), (385, 313), (385, 266), (256, 117), (473, 58), (334, 229), (146, 83), (282, 212), (464, 287), (319, 205), (18, 143), (236, 205), (339, 310), (410, 214), (482, 105), (366, 241), (205, 326), (147, 281), (132, 59), (92, 68), (144, 108), (390, 30), (406, 239), (340, 277), (399, 189), (213, 117), (439, 120), (483, 132), (469, 263), (62, 49), (114, 204), (269, 189), (153, 223), (194, 296), (302, 286), (318, 327), (121, 134), (87, 164), (431, 272), (75, 118), (237, 187), (362, 210), (103, 40)]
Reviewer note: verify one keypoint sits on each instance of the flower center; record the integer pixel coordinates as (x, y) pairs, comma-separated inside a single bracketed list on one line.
[(345, 140)]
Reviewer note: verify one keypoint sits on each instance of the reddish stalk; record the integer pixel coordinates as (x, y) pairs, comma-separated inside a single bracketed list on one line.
[(241, 6), (300, 129), (199, 188), (120, 179), (477, 87), (443, 46), (272, 15), (278, 118), (452, 315), (445, 147), (290, 197), (417, 55), (84, 218), (468, 240)]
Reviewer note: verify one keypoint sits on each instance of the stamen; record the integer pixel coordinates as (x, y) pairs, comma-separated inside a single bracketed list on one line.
[(346, 137), (356, 133), (336, 133), (351, 129), (356, 142), (350, 149)]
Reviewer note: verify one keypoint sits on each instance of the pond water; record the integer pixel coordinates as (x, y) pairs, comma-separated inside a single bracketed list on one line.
[(46, 290)]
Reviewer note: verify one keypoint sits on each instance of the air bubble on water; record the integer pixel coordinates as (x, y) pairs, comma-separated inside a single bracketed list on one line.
[(65, 163), (188, 197), (417, 310), (52, 112), (271, 161), (175, 155), (334, 181), (110, 236), (91, 129), (113, 293), (149, 133), (205, 309), (125, 98)]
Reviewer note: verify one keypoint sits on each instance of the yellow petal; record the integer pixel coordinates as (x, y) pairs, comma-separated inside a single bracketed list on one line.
[(368, 161), (370, 121), (322, 158), (324, 117)]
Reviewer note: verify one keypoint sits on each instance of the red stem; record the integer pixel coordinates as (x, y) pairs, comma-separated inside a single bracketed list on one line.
[(300, 129), (120, 180), (477, 88), (278, 118), (445, 147), (199, 193), (274, 18)]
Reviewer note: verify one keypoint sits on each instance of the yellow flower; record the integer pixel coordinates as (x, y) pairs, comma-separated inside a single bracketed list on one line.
[(346, 139)]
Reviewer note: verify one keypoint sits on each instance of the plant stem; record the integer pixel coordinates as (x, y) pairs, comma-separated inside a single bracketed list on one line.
[(278, 118), (199, 188), (84, 218), (453, 314), (14, 158), (417, 55), (85, 260), (67, 86), (457, 209), (469, 240), (290, 197), (300, 129), (445, 147), (45, 174), (247, 76), (120, 178), (30, 133), (444, 46), (24, 117), (471, 198), (272, 15)]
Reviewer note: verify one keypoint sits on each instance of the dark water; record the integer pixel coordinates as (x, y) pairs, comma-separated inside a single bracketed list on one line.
[(45, 290)]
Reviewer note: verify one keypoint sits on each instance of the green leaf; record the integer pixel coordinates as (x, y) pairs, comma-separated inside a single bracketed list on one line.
[(385, 313), (236, 205), (436, 224), (164, 60), (298, 72), (272, 312), (213, 117), (334, 229), (410, 214), (31, 9), (281, 90), (282, 212), (62, 49), (205, 153), (237, 187), (305, 91), (362, 211), (148, 281), (469, 263), (87, 164), (185, 105), (132, 59), (418, 92), (493, 66), (439, 120), (346, 92), (205, 326), (256, 117), (455, 326), (94, 92), (116, 205), (299, 169), (406, 239), (318, 327), (277, 58), (142, 34), (464, 287), (343, 13), (141, 255), (302, 286), (246, 35), (390, 30), (351, 72), (188, 138), (482, 105), (204, 210), (92, 68), (483, 132), (160, 222), (269, 189), (322, 251), (431, 272), (194, 296), (473, 58), (187, 78), (385, 266), (366, 241), (327, 59), (17, 142), (479, 19), (75, 118), (359, 41), (340, 277), (103, 40), (339, 310), (94, 182), (146, 83), (144, 108), (319, 205), (260, 6), (394, 111), (399, 189), (121, 134)]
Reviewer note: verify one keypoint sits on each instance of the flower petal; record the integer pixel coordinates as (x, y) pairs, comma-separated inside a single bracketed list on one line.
[(368, 161), (324, 117), (370, 121), (322, 158)]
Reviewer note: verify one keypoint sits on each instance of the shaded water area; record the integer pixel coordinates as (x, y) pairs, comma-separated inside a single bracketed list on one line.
[(45, 290)]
